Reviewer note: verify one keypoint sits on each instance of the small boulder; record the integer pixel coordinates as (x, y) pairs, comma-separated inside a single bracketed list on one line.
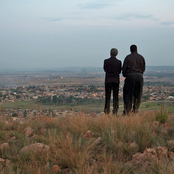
[(5, 162), (164, 131), (155, 124), (171, 145), (56, 168), (171, 155), (119, 145), (93, 114), (151, 153), (139, 158), (132, 136), (98, 141), (88, 134), (13, 138), (162, 153), (43, 131), (166, 125), (133, 147), (3, 146), (36, 148), (28, 131), (33, 137)]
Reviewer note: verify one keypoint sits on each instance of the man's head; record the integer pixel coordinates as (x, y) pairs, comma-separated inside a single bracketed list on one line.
[(113, 52), (133, 48)]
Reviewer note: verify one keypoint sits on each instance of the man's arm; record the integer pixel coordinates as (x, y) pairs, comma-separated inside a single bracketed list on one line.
[(104, 66), (124, 69), (144, 63), (120, 67)]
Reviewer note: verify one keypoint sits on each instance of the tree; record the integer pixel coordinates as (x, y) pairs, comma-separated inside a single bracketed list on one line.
[(55, 99), (25, 114), (14, 114)]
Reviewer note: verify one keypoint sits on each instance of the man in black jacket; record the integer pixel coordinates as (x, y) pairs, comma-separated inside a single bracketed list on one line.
[(112, 67), (133, 69)]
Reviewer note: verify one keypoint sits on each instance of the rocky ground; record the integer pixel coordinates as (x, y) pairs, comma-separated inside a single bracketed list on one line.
[(87, 143)]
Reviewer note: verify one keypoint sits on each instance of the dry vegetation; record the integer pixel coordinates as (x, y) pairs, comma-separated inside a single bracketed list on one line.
[(77, 152)]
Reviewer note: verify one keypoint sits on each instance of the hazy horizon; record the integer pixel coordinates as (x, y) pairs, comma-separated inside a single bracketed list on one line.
[(88, 69), (53, 34)]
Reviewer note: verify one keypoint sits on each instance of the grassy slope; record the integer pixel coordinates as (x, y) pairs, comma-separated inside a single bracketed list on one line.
[(92, 107), (70, 149)]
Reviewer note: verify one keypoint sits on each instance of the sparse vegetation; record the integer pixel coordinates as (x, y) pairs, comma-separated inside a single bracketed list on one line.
[(162, 115), (75, 153)]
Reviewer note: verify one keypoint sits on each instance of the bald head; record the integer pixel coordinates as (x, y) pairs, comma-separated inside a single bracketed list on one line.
[(133, 48)]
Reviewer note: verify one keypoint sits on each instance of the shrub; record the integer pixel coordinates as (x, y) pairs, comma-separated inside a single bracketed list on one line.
[(162, 115)]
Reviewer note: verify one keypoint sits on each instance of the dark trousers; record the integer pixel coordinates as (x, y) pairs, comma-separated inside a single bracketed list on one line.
[(108, 87), (132, 92)]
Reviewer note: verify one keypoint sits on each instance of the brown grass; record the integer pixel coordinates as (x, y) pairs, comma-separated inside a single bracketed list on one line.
[(75, 153)]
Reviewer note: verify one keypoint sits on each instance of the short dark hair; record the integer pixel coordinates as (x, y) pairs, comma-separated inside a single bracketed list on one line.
[(114, 52), (133, 48)]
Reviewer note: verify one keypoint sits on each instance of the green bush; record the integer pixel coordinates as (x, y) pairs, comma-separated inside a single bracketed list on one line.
[(162, 115)]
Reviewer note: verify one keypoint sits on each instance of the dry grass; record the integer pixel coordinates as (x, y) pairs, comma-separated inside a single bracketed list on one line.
[(76, 154)]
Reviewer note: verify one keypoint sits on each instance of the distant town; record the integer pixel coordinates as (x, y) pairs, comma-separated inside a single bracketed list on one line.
[(73, 88)]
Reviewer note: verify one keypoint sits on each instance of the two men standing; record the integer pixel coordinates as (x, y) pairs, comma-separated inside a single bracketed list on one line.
[(133, 69)]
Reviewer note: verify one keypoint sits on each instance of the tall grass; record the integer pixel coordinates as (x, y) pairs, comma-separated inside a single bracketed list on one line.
[(72, 151), (162, 114)]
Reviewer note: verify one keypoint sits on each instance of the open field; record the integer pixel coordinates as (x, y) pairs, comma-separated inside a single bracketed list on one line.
[(88, 107)]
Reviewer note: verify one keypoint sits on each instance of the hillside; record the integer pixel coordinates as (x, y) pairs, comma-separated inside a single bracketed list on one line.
[(88, 144)]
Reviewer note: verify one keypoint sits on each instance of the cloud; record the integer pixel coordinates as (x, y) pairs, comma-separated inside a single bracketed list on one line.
[(167, 23), (92, 6), (136, 16)]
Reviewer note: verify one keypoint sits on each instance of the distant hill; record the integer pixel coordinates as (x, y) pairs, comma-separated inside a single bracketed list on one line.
[(80, 69), (160, 68)]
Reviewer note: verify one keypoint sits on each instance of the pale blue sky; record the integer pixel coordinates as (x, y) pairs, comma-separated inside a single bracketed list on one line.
[(52, 33)]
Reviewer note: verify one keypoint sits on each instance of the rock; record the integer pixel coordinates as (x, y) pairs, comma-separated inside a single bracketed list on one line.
[(151, 153), (56, 168), (33, 137), (154, 133), (166, 125), (7, 123), (171, 155), (5, 162), (36, 148), (3, 146), (119, 145), (162, 153), (139, 158), (98, 141), (66, 171), (132, 136), (88, 134), (144, 161), (28, 131), (133, 147), (43, 131), (164, 131), (93, 114), (171, 145), (155, 124), (13, 138)]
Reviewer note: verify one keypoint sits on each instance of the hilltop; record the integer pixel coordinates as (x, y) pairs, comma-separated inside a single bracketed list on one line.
[(88, 143)]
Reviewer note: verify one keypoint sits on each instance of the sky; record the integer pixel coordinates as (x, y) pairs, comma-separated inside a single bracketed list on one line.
[(75, 33)]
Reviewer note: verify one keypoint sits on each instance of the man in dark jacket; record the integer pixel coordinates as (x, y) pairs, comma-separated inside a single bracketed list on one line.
[(133, 69), (112, 67)]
